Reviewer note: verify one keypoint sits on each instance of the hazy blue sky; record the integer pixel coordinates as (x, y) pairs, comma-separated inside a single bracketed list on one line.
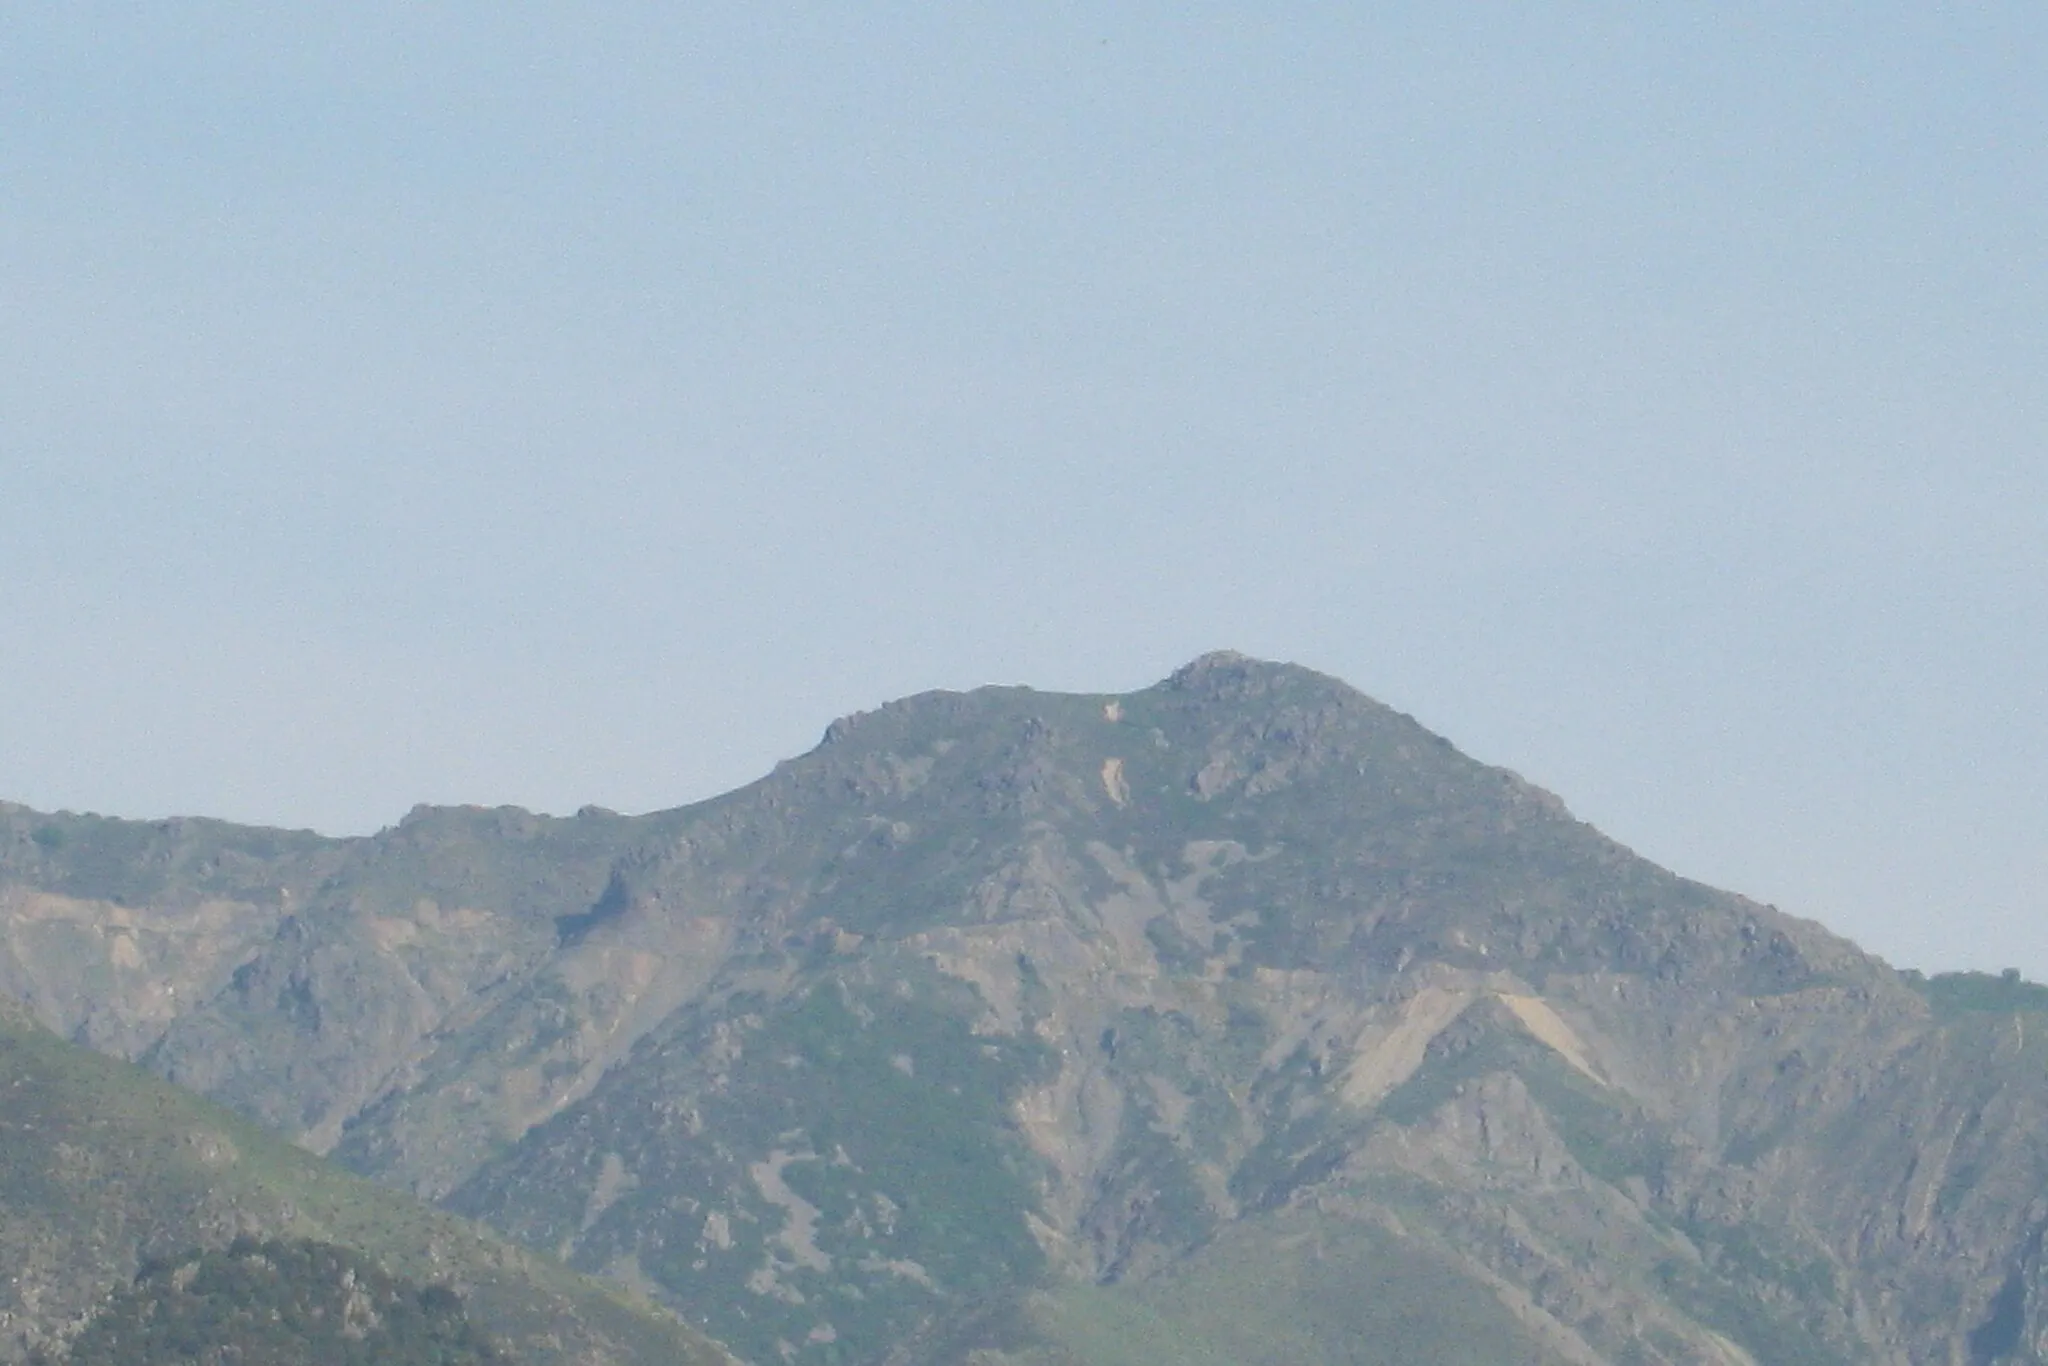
[(559, 404)]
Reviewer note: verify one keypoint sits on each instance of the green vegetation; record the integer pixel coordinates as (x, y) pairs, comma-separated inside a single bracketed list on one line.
[(1083, 1325), (918, 1104), (1963, 993), (1295, 1288), (1281, 1290), (1750, 1312), (856, 1160), (278, 1303), (105, 1167), (1766, 1260), (133, 861)]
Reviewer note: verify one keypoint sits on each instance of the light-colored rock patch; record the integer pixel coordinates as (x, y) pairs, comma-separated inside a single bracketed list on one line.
[(117, 976), (613, 1180), (121, 949), (797, 1238), (1730, 1353), (389, 933), (985, 961), (1072, 1122), (1124, 914), (1171, 1102), (1113, 782), (1540, 1020), (902, 1267), (1385, 1054)]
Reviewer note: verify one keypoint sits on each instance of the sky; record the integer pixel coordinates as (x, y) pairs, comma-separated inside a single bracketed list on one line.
[(551, 405)]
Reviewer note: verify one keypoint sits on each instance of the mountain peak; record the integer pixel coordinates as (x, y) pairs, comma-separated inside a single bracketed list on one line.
[(1214, 659), (1228, 675), (1230, 664)]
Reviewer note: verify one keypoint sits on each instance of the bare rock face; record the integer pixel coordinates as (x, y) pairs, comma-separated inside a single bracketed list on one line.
[(1235, 1019)]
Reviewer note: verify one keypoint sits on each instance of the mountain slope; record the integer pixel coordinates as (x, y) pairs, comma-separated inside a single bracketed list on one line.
[(103, 1167), (279, 1302), (1029, 1025)]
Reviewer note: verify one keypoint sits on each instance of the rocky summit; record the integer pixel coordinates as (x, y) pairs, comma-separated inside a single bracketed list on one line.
[(1236, 1020)]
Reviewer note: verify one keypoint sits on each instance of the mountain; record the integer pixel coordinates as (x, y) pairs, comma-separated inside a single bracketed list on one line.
[(1237, 1019), (105, 1170)]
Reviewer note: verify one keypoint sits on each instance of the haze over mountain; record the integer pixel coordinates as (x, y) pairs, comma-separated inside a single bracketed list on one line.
[(1235, 1019)]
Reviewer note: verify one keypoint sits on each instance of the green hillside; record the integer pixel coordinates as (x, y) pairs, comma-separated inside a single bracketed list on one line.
[(278, 1302), (104, 1168)]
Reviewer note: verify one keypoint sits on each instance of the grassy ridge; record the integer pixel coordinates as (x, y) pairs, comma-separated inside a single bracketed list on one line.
[(1278, 1291)]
